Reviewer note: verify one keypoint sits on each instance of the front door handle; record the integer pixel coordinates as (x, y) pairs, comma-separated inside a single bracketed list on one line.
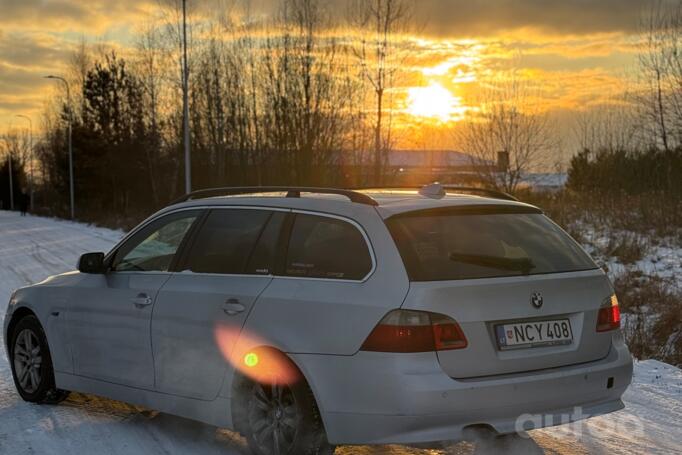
[(142, 300), (232, 307)]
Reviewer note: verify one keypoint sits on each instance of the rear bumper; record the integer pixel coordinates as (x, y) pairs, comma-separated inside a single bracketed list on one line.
[(376, 398)]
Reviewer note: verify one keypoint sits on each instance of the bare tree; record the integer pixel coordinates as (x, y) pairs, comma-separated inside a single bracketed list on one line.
[(609, 127), (509, 123), (660, 62), (151, 63), (379, 22), (172, 18), (80, 62), (653, 63), (305, 93), (272, 102)]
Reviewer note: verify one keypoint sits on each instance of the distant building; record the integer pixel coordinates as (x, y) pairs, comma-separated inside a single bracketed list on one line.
[(406, 167), (544, 181), (422, 166)]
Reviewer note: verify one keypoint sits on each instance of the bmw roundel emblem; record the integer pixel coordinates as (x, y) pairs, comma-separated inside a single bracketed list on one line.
[(536, 299)]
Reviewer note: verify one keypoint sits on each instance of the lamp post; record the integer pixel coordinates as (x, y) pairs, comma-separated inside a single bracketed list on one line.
[(68, 100), (185, 101), (30, 147)]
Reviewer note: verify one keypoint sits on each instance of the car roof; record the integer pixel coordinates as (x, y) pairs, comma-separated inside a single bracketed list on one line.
[(394, 202), (389, 202)]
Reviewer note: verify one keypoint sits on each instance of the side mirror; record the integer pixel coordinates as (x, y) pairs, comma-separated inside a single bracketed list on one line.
[(91, 263)]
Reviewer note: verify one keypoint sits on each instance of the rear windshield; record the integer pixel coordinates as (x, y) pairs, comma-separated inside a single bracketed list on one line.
[(463, 245)]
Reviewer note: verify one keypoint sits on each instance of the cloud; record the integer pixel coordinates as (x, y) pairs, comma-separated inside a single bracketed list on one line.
[(19, 49), (39, 11), (85, 16), (490, 17), (581, 43), (22, 91), (439, 18), (24, 60), (480, 18), (18, 105)]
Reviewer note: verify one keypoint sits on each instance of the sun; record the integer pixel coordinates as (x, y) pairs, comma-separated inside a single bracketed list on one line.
[(434, 101)]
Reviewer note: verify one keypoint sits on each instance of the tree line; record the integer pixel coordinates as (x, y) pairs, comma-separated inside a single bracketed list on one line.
[(634, 146), (307, 98), (282, 102)]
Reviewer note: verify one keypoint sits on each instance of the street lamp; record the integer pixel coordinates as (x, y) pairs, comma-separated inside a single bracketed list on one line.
[(185, 101), (30, 146), (68, 100)]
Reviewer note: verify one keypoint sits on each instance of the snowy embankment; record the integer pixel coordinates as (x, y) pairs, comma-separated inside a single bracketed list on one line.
[(658, 256), (32, 248)]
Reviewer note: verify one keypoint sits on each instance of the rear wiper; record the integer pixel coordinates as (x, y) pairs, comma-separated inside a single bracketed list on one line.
[(523, 265)]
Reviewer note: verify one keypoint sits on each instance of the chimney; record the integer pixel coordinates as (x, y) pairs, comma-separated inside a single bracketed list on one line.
[(502, 161)]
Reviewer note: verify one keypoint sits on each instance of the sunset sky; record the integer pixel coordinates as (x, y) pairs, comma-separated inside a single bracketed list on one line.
[(576, 54)]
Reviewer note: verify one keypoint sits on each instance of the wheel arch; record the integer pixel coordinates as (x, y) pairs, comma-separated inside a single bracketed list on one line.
[(17, 316), (240, 379)]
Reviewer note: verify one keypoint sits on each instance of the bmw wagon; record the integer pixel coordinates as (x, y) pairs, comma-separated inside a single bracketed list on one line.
[(305, 318)]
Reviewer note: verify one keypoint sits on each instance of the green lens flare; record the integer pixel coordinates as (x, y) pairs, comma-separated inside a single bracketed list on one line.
[(251, 359)]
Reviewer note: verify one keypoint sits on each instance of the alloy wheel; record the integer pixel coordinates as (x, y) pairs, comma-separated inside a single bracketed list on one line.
[(274, 417), (28, 360)]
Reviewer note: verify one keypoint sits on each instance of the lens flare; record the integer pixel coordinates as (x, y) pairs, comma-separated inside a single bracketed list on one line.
[(254, 356), (251, 359)]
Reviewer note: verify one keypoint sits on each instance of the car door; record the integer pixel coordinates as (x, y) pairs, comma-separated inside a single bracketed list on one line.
[(109, 321), (201, 309)]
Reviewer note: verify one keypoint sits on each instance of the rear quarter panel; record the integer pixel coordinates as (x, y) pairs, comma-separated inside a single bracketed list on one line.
[(326, 316)]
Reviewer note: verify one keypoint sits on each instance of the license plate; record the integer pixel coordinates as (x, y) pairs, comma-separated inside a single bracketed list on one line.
[(534, 334)]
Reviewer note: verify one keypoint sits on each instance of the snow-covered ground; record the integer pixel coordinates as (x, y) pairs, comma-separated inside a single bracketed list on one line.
[(661, 258), (32, 248)]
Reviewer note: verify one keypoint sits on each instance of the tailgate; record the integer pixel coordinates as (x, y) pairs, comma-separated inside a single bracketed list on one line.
[(479, 305)]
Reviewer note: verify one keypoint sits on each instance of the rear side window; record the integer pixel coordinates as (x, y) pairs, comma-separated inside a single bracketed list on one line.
[(323, 247), (226, 241), (262, 260), (455, 246)]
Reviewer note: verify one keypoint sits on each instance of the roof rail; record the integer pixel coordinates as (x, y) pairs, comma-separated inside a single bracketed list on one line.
[(437, 190), (291, 191)]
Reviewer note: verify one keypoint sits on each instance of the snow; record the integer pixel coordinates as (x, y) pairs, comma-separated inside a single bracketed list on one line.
[(662, 255), (545, 181), (31, 248)]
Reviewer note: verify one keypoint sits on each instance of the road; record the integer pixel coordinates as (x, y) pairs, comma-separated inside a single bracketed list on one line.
[(31, 248)]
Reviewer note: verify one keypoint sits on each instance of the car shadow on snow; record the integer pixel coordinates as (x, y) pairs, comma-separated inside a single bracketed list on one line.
[(86, 423), (89, 424), (171, 433)]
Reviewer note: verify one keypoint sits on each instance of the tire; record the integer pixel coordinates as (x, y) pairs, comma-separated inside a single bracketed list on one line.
[(31, 363), (282, 419)]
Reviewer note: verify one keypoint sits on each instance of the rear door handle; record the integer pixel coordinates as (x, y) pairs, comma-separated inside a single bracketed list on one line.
[(233, 307), (142, 300)]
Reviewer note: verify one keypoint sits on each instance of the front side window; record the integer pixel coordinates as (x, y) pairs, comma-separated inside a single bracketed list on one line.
[(323, 247), (154, 247), (455, 246), (227, 240)]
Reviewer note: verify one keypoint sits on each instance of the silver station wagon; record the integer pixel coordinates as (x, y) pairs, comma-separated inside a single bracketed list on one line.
[(306, 318)]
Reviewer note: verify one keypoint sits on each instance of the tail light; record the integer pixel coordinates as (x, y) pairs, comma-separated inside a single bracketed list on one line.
[(608, 317), (415, 331)]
